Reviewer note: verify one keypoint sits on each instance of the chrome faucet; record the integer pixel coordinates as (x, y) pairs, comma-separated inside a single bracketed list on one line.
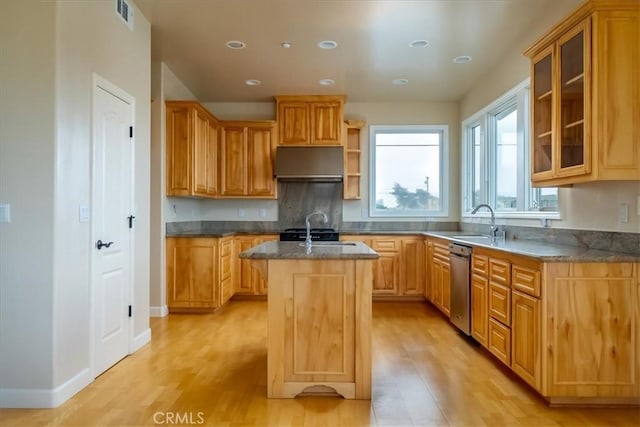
[(492, 224), (307, 241)]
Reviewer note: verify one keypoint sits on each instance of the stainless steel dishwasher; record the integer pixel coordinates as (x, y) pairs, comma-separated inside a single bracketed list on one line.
[(460, 313)]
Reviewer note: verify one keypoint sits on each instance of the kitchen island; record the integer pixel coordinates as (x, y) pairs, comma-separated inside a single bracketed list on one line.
[(319, 317)]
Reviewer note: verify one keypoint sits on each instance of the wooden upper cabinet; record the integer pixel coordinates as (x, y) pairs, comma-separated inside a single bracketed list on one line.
[(310, 120), (233, 160), (584, 102), (191, 141), (246, 159)]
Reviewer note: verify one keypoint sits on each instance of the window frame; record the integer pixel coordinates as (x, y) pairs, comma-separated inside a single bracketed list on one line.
[(527, 195), (443, 163)]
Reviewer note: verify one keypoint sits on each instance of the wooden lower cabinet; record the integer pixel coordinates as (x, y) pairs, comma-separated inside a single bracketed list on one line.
[(249, 280), (570, 330), (500, 341), (440, 276), (400, 270), (525, 338), (500, 303), (591, 332), (479, 309), (412, 266), (199, 272)]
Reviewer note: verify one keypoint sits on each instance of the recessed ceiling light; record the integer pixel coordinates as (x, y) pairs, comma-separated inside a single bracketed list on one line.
[(400, 82), (236, 44), (327, 82), (327, 44), (462, 59), (252, 82), (419, 43), (286, 45)]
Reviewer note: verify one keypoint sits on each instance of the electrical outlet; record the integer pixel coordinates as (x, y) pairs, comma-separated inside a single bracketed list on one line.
[(5, 212), (364, 213), (623, 213), (240, 213), (262, 213)]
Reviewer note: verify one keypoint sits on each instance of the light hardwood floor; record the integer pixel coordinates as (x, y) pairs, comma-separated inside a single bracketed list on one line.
[(211, 370)]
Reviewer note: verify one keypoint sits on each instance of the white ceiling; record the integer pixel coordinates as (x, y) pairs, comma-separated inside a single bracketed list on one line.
[(373, 39)]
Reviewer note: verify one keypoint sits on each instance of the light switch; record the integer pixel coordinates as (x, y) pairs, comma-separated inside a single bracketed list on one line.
[(83, 213), (5, 213)]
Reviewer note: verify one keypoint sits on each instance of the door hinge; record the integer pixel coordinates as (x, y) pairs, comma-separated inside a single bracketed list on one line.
[(131, 218), (130, 311), (130, 131)]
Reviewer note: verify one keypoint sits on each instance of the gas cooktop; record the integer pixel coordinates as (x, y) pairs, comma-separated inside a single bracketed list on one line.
[(317, 234)]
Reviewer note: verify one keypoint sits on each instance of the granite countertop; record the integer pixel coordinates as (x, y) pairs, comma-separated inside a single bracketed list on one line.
[(546, 252), (319, 250)]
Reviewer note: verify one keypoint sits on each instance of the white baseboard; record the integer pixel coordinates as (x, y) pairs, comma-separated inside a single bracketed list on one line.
[(159, 311), (140, 340), (43, 398)]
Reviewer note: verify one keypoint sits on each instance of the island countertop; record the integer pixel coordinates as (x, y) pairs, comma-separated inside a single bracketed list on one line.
[(318, 250)]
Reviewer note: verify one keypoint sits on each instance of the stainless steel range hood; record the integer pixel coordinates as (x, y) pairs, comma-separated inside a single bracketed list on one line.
[(321, 164)]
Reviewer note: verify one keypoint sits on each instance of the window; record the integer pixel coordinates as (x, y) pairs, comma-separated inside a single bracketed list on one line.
[(496, 159), (408, 172)]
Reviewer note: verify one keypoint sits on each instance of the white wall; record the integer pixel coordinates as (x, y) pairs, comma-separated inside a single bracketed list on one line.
[(164, 86), (591, 206), (408, 113), (27, 65), (75, 39)]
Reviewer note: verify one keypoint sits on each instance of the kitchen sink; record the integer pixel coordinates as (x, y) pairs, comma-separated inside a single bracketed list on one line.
[(472, 236)]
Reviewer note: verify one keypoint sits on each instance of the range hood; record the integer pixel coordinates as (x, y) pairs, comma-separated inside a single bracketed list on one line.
[(320, 164)]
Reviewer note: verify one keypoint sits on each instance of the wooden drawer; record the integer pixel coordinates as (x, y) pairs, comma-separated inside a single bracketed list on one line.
[(441, 251), (500, 271), (500, 303), (500, 341), (525, 280), (385, 245), (480, 264)]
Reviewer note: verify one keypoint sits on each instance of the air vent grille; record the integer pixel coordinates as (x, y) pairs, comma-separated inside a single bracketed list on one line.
[(125, 12)]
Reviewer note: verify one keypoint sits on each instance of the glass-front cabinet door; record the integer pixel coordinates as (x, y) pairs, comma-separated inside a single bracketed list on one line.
[(574, 143), (542, 114)]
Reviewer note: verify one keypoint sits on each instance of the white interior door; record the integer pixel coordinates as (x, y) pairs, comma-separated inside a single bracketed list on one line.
[(112, 237)]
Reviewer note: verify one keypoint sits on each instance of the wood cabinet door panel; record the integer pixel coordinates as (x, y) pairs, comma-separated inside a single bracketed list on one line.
[(500, 341), (525, 338), (212, 160), (179, 136), (191, 273), (412, 268), (233, 162), (500, 303), (260, 162), (200, 153), (293, 122), (480, 308), (326, 123), (385, 279), (480, 264)]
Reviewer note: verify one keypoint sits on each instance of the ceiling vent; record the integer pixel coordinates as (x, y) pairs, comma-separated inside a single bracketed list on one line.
[(125, 12)]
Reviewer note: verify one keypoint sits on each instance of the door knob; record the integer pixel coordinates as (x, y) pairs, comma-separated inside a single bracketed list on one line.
[(100, 245)]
